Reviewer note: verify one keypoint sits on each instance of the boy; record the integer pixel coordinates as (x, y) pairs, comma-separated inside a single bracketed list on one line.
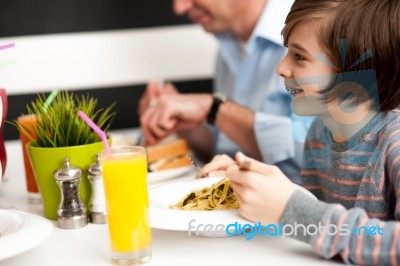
[(352, 151)]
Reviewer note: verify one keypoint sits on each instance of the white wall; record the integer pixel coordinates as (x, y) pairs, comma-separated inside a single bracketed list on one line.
[(41, 63)]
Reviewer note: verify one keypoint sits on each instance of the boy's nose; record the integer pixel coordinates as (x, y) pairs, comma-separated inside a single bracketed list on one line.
[(283, 69), (182, 6)]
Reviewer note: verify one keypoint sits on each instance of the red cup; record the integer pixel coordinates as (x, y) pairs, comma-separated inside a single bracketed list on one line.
[(3, 115)]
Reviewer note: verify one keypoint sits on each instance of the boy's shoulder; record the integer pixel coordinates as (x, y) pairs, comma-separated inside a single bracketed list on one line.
[(390, 127)]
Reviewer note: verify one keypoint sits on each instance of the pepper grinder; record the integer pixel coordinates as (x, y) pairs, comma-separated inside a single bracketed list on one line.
[(97, 207), (71, 210)]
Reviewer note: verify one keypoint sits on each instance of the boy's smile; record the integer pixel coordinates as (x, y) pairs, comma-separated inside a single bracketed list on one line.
[(294, 92)]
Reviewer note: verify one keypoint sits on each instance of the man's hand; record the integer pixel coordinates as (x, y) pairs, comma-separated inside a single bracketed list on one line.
[(153, 90), (173, 113)]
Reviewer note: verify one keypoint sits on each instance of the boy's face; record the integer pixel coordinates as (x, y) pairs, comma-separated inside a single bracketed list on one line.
[(213, 15), (306, 70)]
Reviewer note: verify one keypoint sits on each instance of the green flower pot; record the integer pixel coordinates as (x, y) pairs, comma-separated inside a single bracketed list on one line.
[(45, 161)]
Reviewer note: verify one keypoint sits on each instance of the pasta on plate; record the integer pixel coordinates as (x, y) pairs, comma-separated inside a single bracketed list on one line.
[(217, 197)]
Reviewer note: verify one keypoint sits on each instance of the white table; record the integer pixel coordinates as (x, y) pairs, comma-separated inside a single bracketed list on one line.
[(89, 245)]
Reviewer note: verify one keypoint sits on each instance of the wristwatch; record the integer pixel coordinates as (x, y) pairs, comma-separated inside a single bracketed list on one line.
[(218, 99)]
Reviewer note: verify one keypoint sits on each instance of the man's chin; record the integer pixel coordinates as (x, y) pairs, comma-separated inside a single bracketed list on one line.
[(209, 28), (212, 28)]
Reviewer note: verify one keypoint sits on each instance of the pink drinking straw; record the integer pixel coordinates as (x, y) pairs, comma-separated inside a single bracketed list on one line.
[(96, 129)]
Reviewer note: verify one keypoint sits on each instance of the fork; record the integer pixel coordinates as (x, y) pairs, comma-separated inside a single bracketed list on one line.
[(193, 162), (245, 165)]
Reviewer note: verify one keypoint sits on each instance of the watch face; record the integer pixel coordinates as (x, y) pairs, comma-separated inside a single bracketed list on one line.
[(221, 97)]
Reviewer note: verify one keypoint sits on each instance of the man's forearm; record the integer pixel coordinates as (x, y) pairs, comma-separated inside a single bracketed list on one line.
[(200, 141), (237, 123)]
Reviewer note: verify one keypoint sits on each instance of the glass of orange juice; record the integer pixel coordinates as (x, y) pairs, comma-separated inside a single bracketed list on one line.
[(125, 187), (28, 124)]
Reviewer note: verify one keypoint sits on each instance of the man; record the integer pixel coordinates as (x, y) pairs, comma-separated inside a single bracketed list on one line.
[(257, 118)]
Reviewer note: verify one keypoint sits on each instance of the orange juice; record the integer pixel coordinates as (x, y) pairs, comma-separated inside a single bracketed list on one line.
[(125, 186)]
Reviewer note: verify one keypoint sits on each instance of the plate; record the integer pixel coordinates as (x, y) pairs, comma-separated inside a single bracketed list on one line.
[(164, 175), (21, 231), (201, 223)]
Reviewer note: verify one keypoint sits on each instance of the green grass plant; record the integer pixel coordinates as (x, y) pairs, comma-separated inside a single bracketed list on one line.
[(60, 126)]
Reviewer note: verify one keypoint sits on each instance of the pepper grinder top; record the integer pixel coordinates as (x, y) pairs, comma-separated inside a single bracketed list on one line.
[(71, 210)]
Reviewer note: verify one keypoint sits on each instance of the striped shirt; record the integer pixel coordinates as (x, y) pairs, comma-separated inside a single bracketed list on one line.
[(362, 175)]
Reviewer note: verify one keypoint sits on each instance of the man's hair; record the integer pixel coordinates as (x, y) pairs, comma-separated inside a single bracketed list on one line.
[(365, 25)]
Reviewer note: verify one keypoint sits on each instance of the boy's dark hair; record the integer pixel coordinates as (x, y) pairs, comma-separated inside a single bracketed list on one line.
[(366, 25)]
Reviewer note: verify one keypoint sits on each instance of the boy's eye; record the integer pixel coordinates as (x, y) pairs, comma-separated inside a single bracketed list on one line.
[(298, 57)]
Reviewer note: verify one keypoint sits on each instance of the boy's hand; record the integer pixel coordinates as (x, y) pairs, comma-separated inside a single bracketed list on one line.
[(216, 167), (262, 190)]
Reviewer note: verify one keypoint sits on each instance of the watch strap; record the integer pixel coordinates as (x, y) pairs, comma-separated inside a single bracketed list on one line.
[(212, 114)]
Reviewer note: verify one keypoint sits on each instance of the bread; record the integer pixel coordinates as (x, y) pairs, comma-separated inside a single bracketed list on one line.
[(168, 155)]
